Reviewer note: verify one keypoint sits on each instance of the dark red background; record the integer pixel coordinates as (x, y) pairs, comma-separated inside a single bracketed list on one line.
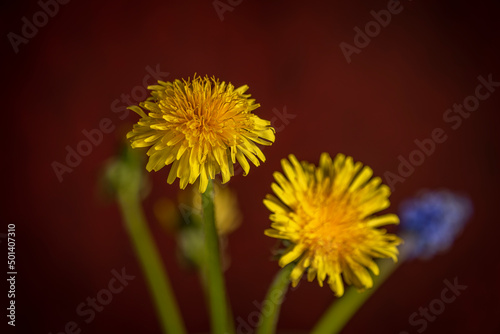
[(395, 91)]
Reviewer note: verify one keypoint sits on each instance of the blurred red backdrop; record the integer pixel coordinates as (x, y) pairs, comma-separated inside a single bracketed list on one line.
[(395, 90)]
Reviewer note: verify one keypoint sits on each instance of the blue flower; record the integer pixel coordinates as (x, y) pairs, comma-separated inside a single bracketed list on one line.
[(433, 220)]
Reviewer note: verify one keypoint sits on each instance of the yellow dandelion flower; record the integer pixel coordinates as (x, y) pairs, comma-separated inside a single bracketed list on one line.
[(201, 127), (327, 213)]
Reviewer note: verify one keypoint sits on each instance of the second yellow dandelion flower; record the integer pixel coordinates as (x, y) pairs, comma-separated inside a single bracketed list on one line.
[(328, 214)]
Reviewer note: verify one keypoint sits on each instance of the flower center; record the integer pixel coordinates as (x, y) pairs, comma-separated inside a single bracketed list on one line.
[(215, 128), (330, 225)]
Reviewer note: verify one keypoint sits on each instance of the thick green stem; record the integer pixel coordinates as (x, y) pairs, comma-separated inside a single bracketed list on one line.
[(203, 280), (342, 309), (215, 279), (156, 276), (273, 301)]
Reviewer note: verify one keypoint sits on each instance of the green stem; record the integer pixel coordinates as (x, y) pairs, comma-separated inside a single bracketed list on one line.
[(203, 280), (274, 299), (215, 279), (149, 258), (342, 309)]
